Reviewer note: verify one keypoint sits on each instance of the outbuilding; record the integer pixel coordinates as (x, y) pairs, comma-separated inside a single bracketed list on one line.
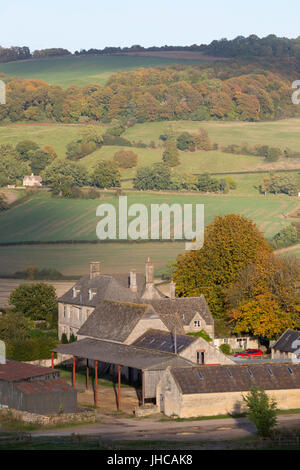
[(218, 390)]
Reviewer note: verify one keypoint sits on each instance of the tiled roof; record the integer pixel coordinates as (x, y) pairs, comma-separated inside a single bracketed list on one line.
[(113, 320), (106, 287), (164, 341), (14, 371), (186, 307), (43, 386), (237, 378), (288, 342), (122, 354)]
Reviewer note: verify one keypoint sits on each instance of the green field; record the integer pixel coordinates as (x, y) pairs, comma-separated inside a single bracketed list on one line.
[(284, 133), (44, 218), (82, 70)]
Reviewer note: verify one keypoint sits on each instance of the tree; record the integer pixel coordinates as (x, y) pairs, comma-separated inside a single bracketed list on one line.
[(12, 169), (3, 204), (186, 141), (106, 175), (262, 411), (170, 155), (231, 242), (156, 177), (126, 159), (39, 159), (25, 147), (61, 173), (36, 301), (13, 324)]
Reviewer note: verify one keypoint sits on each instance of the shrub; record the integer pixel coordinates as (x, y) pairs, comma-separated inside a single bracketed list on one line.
[(64, 339), (225, 348), (262, 411)]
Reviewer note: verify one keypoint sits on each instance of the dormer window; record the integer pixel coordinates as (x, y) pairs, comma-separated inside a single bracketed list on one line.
[(74, 292), (92, 294), (197, 324)]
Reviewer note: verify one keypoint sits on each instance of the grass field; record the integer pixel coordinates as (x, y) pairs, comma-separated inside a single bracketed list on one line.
[(47, 219), (284, 133), (83, 70)]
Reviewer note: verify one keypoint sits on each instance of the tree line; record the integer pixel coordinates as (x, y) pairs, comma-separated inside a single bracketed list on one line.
[(215, 92)]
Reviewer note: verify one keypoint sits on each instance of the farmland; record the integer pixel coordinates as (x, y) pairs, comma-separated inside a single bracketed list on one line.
[(46, 219), (84, 70)]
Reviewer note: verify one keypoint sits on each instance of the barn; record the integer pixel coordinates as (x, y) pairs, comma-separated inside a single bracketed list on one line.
[(35, 389)]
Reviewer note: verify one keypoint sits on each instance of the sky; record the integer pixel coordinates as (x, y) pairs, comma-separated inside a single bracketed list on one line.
[(76, 25)]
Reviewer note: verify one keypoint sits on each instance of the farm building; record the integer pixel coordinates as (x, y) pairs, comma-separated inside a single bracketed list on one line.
[(195, 349), (218, 390), (35, 389), (32, 180), (138, 365), (287, 347), (99, 293)]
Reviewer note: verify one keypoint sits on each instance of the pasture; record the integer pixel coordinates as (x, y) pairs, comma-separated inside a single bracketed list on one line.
[(284, 133), (85, 70)]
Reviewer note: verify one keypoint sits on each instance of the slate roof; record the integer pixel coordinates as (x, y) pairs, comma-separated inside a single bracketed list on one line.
[(122, 354), (107, 287), (286, 341), (113, 320), (14, 371), (186, 307), (240, 378), (163, 341), (172, 321), (43, 386)]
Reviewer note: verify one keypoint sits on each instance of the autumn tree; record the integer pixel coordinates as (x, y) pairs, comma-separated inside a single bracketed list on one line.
[(126, 159), (170, 155), (231, 242)]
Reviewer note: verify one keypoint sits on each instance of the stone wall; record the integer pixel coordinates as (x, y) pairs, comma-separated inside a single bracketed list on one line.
[(71, 318), (212, 355), (82, 416)]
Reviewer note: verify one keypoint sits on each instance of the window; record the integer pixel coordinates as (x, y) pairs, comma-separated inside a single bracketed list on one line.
[(197, 323), (200, 358), (290, 371), (74, 292), (270, 372), (229, 373), (250, 372), (65, 311), (200, 375), (225, 341), (168, 385)]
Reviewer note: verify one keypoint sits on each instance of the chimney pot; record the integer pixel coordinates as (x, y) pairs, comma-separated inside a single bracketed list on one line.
[(94, 269), (172, 290), (133, 284), (149, 272)]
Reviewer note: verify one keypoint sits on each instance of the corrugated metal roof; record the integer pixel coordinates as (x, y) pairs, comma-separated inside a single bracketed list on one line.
[(14, 371), (122, 354), (237, 378), (164, 341), (43, 386)]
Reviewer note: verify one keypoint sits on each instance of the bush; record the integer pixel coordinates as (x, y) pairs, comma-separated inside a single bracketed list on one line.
[(64, 339), (225, 348), (262, 411)]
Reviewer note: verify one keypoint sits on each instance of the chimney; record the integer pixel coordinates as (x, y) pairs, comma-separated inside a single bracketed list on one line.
[(133, 285), (149, 272), (172, 290), (94, 269), (2, 352)]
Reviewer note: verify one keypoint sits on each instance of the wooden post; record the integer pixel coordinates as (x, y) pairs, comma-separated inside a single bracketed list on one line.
[(96, 384), (87, 375), (143, 388), (52, 359), (119, 388), (74, 370)]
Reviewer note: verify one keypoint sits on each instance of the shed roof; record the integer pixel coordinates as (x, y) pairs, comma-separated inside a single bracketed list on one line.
[(14, 371), (43, 386), (236, 378), (122, 354), (164, 341), (289, 341)]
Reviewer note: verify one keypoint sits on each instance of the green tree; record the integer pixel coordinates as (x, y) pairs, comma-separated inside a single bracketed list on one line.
[(13, 324), (3, 204), (262, 411), (62, 172), (36, 301), (186, 141), (156, 177), (39, 159), (106, 175), (24, 148), (170, 155)]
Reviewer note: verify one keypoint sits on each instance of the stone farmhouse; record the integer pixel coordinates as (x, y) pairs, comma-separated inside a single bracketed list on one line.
[(129, 301), (219, 389), (32, 180), (287, 347)]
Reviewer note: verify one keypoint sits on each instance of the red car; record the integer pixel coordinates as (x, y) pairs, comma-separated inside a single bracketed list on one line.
[(249, 352)]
